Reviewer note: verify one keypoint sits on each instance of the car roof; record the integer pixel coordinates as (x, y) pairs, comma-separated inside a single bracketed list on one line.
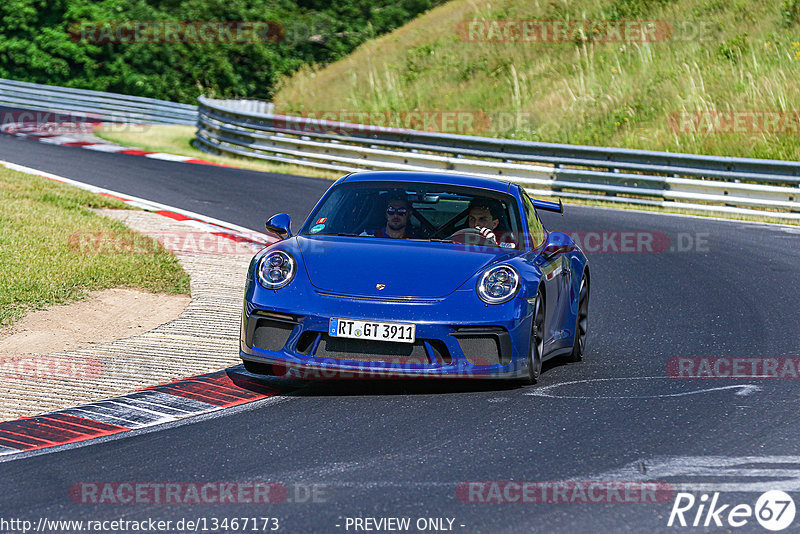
[(464, 180)]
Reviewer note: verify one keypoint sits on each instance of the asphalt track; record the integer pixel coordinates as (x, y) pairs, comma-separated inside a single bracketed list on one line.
[(400, 449)]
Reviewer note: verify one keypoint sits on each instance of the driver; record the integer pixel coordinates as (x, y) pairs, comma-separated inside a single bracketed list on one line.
[(398, 219), (484, 215)]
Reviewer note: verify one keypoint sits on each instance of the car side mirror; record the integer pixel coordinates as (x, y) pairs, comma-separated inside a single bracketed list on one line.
[(280, 224), (557, 242)]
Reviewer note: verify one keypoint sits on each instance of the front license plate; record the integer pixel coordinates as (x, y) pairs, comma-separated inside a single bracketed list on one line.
[(375, 330)]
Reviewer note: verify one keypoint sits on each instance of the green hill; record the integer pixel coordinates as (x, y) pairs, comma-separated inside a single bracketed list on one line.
[(703, 76)]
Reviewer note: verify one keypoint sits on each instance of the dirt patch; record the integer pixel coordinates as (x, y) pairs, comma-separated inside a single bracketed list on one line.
[(102, 317)]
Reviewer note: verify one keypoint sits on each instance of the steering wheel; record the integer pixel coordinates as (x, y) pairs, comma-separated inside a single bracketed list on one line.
[(471, 236)]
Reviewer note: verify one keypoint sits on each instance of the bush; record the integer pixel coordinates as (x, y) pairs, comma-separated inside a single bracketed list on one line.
[(790, 9), (36, 44)]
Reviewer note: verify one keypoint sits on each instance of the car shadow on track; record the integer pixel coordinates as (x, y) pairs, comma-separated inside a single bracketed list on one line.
[(341, 387)]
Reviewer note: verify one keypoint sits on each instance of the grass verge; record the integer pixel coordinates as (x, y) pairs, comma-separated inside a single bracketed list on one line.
[(40, 268), (177, 139), (610, 89)]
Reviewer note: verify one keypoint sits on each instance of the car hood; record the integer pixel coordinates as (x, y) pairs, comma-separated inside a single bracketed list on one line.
[(356, 266)]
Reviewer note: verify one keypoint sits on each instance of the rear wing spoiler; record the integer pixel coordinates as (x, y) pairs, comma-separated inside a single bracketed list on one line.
[(548, 206)]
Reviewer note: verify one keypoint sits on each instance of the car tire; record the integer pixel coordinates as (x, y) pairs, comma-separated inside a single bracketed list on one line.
[(581, 323), (536, 345), (257, 368)]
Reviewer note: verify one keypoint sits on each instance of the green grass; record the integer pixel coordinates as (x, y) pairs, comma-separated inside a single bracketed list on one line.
[(38, 220), (177, 139), (724, 55)]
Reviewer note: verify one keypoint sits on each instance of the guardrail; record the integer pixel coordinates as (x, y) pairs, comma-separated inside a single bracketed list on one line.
[(694, 182), (107, 107)]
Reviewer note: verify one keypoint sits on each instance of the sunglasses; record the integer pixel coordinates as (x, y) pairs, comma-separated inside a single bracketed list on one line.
[(391, 210)]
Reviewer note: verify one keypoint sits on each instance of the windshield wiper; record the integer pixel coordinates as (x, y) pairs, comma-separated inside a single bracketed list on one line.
[(342, 234)]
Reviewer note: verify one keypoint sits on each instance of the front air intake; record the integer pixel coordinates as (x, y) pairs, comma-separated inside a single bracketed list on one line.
[(372, 351), (269, 333), (484, 345)]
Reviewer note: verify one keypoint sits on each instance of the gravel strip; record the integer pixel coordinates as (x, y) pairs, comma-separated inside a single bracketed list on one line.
[(204, 338)]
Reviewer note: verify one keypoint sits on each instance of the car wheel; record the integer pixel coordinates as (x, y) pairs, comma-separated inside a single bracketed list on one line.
[(537, 341), (581, 325), (257, 368)]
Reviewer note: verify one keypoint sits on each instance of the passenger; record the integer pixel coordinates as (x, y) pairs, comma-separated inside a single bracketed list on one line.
[(398, 220)]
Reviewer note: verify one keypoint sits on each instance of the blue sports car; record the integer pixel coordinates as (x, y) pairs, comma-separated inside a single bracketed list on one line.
[(406, 274)]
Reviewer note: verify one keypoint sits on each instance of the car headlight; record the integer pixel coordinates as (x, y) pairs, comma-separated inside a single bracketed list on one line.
[(276, 269), (498, 284)]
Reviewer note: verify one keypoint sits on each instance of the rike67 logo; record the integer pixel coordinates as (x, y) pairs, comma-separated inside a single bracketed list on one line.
[(774, 510)]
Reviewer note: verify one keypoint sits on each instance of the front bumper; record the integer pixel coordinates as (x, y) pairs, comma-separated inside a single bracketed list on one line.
[(458, 336)]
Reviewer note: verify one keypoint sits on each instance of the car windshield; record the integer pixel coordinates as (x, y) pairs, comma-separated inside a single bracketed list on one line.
[(418, 211)]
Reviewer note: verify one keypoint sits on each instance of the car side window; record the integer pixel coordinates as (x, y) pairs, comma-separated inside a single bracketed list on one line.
[(535, 228)]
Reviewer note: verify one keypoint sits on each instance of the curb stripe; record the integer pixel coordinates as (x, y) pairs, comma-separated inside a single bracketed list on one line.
[(143, 408), (196, 390), (169, 404), (58, 139), (113, 196), (206, 162), (20, 441), (81, 143), (13, 446), (238, 239), (100, 415), (167, 157), (102, 146), (36, 429), (135, 152), (59, 423), (231, 231), (173, 215), (58, 429), (26, 440), (152, 405), (80, 421)]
